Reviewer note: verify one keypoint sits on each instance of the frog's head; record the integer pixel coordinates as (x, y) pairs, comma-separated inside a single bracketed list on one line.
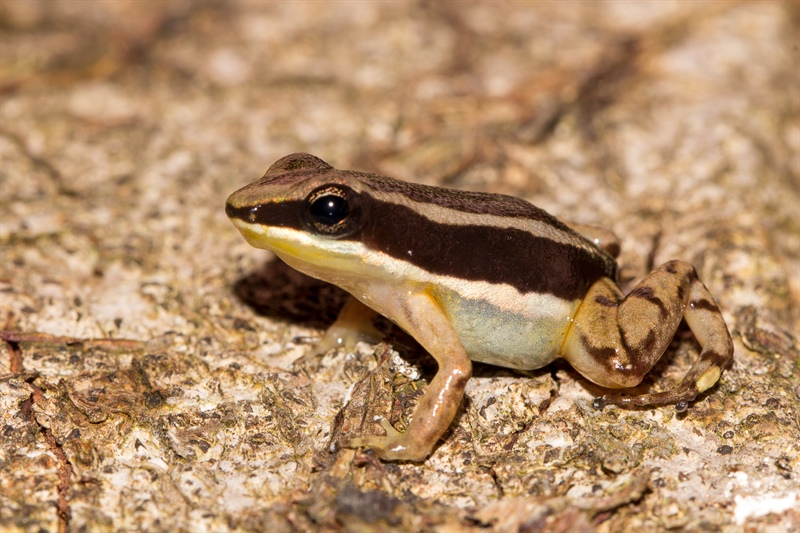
[(305, 211)]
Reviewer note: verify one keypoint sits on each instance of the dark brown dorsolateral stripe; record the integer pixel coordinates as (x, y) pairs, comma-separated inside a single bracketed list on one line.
[(471, 252), (527, 262), (276, 214)]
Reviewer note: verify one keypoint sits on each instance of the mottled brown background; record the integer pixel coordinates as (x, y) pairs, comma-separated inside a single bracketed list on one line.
[(145, 375)]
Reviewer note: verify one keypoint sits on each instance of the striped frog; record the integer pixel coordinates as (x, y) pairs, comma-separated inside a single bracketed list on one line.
[(475, 277)]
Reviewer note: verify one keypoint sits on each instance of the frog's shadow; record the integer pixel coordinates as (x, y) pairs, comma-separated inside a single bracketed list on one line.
[(278, 291)]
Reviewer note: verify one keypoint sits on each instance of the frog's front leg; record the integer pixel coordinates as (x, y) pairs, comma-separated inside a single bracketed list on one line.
[(353, 323), (615, 341), (431, 327)]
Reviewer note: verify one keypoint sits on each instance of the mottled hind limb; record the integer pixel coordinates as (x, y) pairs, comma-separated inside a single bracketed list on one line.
[(615, 341)]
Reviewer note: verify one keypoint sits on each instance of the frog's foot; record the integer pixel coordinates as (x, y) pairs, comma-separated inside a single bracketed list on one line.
[(700, 378), (336, 338), (353, 324), (681, 400), (394, 446)]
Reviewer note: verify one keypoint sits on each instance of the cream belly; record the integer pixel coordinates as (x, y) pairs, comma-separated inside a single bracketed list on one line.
[(525, 338)]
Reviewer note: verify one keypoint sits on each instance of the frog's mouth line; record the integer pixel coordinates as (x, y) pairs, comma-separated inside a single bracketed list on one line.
[(300, 245)]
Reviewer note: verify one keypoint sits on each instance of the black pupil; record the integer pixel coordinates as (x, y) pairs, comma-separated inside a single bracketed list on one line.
[(329, 209)]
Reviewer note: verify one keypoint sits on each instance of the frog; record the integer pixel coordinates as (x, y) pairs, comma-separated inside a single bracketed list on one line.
[(476, 277)]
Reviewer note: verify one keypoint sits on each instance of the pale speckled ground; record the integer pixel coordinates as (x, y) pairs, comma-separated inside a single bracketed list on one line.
[(146, 380)]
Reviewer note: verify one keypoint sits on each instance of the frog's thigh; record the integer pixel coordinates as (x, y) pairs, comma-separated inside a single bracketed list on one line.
[(601, 237), (615, 341), (432, 329)]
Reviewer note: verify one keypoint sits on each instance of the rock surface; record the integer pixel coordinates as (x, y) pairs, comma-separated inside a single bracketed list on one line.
[(146, 377)]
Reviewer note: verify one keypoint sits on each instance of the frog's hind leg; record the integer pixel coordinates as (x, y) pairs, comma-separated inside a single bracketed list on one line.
[(615, 341)]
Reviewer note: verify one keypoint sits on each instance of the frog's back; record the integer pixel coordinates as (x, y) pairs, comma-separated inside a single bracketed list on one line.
[(480, 237)]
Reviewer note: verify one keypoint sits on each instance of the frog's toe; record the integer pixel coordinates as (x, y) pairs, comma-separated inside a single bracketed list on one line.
[(335, 338), (387, 448), (353, 324), (394, 446), (680, 397)]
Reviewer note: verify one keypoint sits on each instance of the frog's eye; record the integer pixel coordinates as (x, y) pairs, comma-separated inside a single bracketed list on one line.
[(332, 210), (329, 207)]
